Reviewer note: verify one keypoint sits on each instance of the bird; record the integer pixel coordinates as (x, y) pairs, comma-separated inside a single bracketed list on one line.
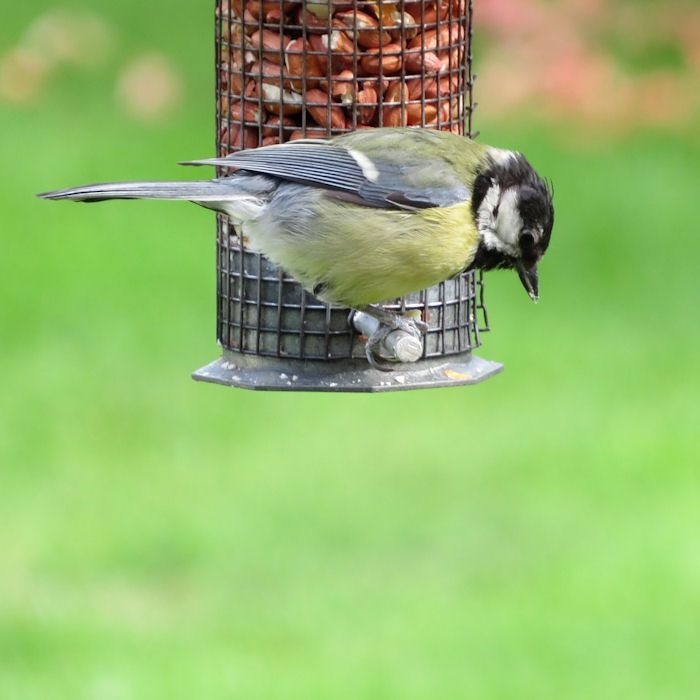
[(372, 215)]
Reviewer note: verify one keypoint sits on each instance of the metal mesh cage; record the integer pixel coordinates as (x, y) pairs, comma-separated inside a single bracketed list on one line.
[(289, 69), (284, 71), (263, 311)]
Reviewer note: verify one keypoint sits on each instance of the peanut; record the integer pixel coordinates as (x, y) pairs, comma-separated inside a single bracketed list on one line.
[(240, 46), (248, 92), (433, 39), (246, 111), (380, 87), (343, 87), (274, 16), (273, 124), (415, 87), (239, 138), (417, 114), (232, 82), (271, 43), (392, 115), (451, 60), (257, 8), (367, 27), (223, 10), (320, 53), (437, 12), (388, 63), (430, 13), (441, 87), (367, 100), (395, 92), (418, 62), (319, 44), (310, 21), (319, 107), (404, 26), (444, 114), (237, 7), (311, 132), (268, 72), (340, 45), (279, 101), (295, 53)]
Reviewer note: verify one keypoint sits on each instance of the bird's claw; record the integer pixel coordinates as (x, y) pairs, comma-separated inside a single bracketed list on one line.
[(412, 326), (374, 346)]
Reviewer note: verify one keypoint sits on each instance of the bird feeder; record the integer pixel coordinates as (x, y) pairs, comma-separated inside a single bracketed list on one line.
[(287, 70)]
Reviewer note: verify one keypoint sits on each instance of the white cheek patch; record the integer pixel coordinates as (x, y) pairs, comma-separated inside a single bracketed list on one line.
[(486, 220), (509, 224), (500, 232)]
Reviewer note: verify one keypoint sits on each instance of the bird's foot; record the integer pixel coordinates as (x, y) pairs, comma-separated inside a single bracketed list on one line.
[(389, 323)]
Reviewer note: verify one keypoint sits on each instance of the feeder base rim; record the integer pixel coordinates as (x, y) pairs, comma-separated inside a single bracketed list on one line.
[(273, 374)]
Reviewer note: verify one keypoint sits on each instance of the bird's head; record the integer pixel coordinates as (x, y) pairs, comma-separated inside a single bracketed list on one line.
[(514, 211)]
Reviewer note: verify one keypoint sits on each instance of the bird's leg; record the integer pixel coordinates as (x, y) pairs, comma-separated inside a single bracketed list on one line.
[(388, 323)]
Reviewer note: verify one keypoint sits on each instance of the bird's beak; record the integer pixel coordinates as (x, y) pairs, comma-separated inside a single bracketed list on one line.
[(528, 276)]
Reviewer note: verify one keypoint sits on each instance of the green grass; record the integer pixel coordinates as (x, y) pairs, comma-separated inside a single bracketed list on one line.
[(534, 537)]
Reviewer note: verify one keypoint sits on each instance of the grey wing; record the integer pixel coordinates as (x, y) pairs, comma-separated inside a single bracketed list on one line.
[(379, 181)]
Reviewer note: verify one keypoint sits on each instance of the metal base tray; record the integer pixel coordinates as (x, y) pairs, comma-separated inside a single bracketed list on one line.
[(272, 374)]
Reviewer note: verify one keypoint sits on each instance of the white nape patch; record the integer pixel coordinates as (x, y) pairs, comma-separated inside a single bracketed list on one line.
[(500, 231), (369, 169), (501, 156)]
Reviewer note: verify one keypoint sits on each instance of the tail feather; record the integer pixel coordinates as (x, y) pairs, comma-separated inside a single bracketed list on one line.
[(196, 191)]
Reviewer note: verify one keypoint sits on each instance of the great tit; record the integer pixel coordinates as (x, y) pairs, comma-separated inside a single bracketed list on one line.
[(375, 214)]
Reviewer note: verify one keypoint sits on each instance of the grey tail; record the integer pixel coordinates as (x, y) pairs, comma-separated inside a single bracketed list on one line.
[(196, 191)]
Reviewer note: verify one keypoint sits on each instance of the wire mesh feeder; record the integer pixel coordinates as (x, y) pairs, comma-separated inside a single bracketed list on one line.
[(287, 70)]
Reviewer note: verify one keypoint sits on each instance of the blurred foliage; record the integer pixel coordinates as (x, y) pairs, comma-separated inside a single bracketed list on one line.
[(532, 537), (617, 64)]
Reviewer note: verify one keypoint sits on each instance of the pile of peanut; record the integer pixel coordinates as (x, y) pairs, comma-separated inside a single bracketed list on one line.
[(290, 70)]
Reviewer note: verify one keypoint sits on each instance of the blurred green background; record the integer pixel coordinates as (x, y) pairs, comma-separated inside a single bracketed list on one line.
[(533, 537)]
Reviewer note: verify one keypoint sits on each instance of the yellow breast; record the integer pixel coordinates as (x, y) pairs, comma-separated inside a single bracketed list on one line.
[(365, 256)]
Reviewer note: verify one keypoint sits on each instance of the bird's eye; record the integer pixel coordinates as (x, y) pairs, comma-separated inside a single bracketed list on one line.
[(495, 211), (527, 240)]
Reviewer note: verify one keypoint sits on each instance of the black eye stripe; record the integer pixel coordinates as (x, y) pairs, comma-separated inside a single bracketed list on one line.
[(496, 210)]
